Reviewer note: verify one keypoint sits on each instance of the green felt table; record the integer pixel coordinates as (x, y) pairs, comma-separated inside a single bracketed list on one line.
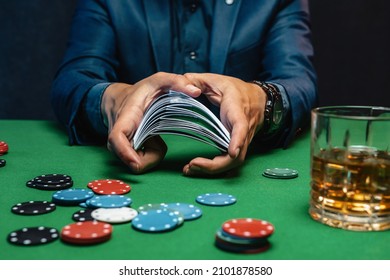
[(41, 147)]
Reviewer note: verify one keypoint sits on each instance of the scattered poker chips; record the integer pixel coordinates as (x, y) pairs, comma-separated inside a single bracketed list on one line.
[(114, 215), (245, 235), (216, 199), (109, 186), (86, 233), (105, 205), (156, 220), (3, 148), (51, 182), (33, 208), (71, 196), (33, 236), (280, 173), (2, 162)]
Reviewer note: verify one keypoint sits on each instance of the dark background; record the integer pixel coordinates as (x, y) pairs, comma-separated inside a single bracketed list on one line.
[(351, 40)]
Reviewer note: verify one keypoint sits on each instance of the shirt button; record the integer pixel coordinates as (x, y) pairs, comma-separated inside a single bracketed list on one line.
[(193, 7), (193, 55)]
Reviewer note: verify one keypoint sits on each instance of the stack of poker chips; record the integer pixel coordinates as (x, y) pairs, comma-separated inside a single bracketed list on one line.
[(3, 150), (245, 235), (50, 182)]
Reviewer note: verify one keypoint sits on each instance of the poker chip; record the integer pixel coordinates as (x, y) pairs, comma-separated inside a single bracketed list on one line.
[(3, 148), (152, 206), (164, 206), (83, 215), (52, 179), (280, 173), (109, 201), (242, 249), (33, 236), (33, 208), (216, 199), (248, 228), (2, 162), (49, 187), (114, 215), (109, 186), (189, 211), (71, 196), (222, 235), (51, 182), (84, 233), (245, 235), (157, 220)]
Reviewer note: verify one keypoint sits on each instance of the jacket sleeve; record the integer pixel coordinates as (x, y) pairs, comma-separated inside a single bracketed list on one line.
[(88, 65), (287, 61)]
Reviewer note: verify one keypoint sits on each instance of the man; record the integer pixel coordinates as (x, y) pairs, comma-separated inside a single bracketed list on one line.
[(123, 54)]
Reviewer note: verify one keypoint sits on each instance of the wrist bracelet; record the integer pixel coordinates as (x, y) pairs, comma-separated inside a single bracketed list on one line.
[(273, 111)]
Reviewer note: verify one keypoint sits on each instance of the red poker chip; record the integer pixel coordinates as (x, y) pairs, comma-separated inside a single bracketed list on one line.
[(89, 232), (109, 186), (3, 147), (248, 228)]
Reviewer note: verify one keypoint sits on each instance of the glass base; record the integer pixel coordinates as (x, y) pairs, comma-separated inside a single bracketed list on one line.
[(348, 222)]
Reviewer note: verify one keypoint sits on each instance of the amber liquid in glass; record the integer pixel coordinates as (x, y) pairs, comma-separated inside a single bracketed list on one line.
[(350, 188)]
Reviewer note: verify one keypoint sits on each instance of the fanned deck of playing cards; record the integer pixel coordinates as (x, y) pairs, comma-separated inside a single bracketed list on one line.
[(179, 114)]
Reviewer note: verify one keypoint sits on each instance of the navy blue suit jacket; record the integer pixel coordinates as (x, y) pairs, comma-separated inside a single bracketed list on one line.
[(128, 40)]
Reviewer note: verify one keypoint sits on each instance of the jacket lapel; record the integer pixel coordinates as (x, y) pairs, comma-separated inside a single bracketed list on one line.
[(225, 17), (158, 18)]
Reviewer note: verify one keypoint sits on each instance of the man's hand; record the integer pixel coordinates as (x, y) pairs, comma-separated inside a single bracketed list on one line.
[(241, 111), (123, 107)]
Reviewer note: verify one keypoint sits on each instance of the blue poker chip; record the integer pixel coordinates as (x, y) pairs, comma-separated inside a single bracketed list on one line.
[(216, 199), (189, 211), (72, 196), (156, 220), (109, 201)]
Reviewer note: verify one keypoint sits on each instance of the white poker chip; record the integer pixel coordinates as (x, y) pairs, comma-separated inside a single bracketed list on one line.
[(114, 215)]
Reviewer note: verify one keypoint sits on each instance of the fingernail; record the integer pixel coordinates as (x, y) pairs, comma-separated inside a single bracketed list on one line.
[(135, 167), (237, 153)]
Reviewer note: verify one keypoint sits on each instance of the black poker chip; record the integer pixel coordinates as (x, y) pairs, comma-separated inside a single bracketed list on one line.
[(2, 162), (52, 179), (50, 182), (49, 187), (29, 236), (83, 215), (33, 208), (243, 249)]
